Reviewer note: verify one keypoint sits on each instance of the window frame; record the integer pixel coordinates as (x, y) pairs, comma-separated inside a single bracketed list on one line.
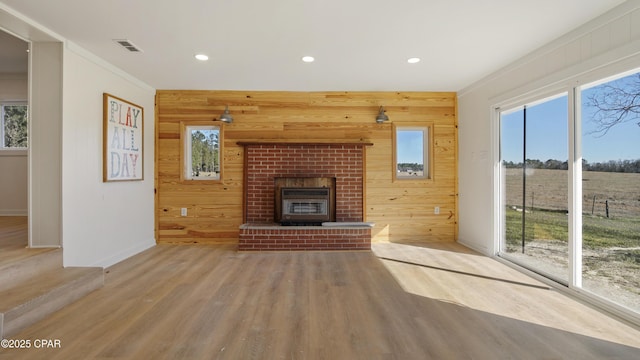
[(3, 104), (427, 148), (185, 150)]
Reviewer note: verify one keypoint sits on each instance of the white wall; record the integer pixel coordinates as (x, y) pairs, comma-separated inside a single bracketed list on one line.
[(103, 223), (13, 87), (601, 47), (13, 183), (13, 163), (99, 223), (45, 144)]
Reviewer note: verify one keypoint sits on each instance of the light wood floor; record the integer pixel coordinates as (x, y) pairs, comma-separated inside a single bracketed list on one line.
[(211, 302), (13, 232), (14, 239)]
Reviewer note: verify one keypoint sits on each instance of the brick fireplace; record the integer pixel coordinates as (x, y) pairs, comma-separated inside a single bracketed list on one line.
[(267, 162)]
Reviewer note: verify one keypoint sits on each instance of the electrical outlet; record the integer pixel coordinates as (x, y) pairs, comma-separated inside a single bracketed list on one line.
[(436, 210), (183, 212)]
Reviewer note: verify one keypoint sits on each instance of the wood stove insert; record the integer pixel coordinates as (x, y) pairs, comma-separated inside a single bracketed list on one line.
[(304, 201), (305, 206)]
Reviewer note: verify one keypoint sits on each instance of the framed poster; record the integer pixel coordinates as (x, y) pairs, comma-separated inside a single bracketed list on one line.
[(122, 140)]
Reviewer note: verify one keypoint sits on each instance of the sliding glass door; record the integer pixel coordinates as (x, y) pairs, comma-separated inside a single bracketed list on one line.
[(534, 157), (611, 189), (570, 188)]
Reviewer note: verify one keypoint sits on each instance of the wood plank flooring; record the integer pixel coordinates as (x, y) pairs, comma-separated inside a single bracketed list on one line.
[(13, 232), (211, 302), (14, 240)]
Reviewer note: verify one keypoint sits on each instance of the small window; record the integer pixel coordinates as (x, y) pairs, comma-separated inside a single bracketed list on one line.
[(411, 150), (201, 152), (14, 126)]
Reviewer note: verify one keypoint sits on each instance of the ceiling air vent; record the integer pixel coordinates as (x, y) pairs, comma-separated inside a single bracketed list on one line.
[(128, 45)]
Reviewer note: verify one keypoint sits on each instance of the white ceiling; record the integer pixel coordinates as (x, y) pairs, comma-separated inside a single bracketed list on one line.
[(359, 45)]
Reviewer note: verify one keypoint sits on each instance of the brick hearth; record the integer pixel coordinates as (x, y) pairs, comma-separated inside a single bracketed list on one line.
[(275, 237)]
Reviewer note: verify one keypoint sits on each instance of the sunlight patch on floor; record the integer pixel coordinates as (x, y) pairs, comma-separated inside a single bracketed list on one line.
[(458, 276)]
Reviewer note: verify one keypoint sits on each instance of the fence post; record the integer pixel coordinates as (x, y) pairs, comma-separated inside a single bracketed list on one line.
[(606, 206), (532, 197)]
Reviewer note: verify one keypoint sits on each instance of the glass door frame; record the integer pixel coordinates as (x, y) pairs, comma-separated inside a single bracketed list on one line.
[(572, 84), (572, 87), (499, 185)]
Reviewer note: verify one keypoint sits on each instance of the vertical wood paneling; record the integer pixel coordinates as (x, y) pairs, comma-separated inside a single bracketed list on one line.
[(403, 210)]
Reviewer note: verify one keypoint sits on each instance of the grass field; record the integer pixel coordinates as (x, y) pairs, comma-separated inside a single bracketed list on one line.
[(548, 189), (611, 245)]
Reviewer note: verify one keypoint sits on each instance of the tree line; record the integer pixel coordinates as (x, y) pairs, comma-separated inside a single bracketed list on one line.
[(414, 167), (621, 166)]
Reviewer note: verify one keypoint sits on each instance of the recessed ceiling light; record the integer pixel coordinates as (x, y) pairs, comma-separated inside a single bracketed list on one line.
[(308, 59), (413, 60), (202, 57)]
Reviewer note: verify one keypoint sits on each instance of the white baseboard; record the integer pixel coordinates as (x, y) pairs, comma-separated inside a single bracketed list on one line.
[(481, 250), (121, 255), (14, 212)]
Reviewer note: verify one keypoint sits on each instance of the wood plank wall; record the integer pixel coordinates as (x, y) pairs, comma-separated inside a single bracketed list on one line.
[(403, 210)]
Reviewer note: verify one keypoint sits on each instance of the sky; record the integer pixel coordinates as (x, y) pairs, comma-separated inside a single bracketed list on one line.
[(410, 146), (547, 133)]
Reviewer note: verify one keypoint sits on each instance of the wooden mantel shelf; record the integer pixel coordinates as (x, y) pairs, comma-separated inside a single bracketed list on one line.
[(247, 143)]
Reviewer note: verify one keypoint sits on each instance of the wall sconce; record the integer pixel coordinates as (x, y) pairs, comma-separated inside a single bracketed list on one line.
[(226, 116), (382, 117)]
